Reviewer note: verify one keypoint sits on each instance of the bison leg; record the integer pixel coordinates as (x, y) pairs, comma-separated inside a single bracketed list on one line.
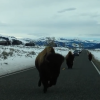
[(45, 89), (90, 59), (50, 84), (69, 65), (39, 83), (45, 84), (54, 81)]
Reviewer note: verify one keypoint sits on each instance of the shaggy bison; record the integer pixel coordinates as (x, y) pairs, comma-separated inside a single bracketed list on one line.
[(48, 64), (90, 56), (69, 59), (40, 58)]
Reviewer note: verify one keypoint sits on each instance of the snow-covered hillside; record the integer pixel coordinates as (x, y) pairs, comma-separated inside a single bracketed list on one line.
[(14, 58), (61, 42)]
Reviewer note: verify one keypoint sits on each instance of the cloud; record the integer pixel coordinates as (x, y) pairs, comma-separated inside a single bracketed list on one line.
[(95, 34), (93, 15), (68, 9), (2, 24), (30, 18)]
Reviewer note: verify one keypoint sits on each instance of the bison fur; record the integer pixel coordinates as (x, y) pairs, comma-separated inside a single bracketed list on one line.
[(90, 56), (69, 59)]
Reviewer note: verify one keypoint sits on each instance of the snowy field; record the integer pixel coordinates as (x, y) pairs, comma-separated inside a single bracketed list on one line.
[(15, 58)]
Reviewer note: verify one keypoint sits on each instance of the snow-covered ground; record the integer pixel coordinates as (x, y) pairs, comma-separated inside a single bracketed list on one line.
[(15, 58)]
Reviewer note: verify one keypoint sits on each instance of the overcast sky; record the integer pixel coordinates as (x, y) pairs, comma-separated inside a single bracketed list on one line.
[(58, 18)]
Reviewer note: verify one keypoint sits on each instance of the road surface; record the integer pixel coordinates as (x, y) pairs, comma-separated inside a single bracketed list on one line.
[(80, 83)]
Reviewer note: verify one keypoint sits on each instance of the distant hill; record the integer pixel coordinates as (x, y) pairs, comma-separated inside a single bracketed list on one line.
[(70, 43), (95, 46), (61, 42)]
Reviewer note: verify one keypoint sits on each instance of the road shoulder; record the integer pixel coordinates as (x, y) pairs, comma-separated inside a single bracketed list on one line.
[(96, 62)]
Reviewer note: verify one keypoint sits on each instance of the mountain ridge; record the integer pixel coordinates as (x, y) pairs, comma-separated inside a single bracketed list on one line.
[(61, 41)]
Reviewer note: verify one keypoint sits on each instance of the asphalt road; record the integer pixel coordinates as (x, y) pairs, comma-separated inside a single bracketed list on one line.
[(80, 83)]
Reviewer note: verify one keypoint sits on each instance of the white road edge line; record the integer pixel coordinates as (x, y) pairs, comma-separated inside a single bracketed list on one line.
[(96, 68), (16, 72)]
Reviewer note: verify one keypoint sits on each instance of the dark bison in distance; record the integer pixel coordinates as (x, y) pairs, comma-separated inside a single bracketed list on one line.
[(48, 64), (90, 56), (69, 59)]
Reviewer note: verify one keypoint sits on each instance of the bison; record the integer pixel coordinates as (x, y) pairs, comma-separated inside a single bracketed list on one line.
[(69, 59), (40, 58), (48, 64), (90, 56)]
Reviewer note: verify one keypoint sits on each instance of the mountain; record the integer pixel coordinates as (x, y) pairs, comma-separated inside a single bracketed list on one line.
[(95, 46), (7, 37), (70, 43), (9, 40), (61, 42)]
